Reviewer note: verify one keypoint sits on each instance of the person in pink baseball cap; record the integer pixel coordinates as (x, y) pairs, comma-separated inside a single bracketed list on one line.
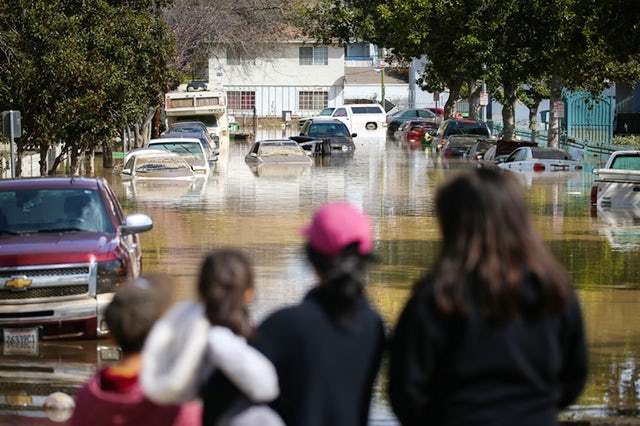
[(327, 349)]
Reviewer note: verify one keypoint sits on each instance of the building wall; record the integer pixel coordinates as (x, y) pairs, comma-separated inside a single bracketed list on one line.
[(277, 78), (271, 101), (280, 66)]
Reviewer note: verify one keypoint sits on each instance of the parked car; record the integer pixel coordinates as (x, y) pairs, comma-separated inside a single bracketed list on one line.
[(617, 184), (478, 150), (402, 116), (191, 149), (326, 136), (65, 247), (503, 148), (458, 146), (539, 159), (412, 132), (210, 148), (326, 112), (459, 127), (277, 151), (439, 112), (362, 119), (194, 127), (155, 164)]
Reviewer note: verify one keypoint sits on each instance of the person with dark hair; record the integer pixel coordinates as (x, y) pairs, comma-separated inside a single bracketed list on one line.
[(199, 340), (493, 334), (327, 349), (114, 396)]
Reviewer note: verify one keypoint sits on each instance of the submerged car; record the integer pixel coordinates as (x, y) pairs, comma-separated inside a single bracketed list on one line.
[(397, 119), (452, 127), (479, 149), (210, 148), (277, 151), (190, 149), (156, 164), (413, 132), (65, 247), (326, 136), (540, 160), (458, 146)]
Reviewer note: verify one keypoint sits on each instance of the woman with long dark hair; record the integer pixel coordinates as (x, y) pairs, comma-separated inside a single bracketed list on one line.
[(493, 334), (327, 349)]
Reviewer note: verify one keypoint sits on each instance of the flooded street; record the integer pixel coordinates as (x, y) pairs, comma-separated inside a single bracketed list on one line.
[(262, 210)]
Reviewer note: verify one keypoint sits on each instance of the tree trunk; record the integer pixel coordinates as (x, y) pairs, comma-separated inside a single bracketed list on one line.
[(138, 136), (508, 113), (92, 161), (107, 156), (75, 161), (553, 139), (44, 154), (474, 101), (155, 130), (454, 95), (533, 119), (19, 153)]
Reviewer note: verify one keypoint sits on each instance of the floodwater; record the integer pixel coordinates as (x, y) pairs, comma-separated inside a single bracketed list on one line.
[(262, 211)]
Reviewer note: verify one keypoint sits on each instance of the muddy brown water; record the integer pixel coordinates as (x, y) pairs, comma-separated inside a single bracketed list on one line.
[(263, 210)]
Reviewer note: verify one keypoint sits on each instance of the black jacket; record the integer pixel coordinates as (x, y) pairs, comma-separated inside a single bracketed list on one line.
[(326, 370), (471, 372)]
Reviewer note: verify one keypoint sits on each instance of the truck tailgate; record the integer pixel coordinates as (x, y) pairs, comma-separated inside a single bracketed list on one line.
[(617, 194)]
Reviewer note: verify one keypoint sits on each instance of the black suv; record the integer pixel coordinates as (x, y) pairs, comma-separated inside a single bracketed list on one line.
[(326, 136)]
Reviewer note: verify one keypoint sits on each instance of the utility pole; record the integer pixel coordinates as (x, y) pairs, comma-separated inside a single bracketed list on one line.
[(484, 96), (382, 64)]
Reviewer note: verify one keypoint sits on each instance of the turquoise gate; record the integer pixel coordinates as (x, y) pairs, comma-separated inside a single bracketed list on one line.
[(589, 120)]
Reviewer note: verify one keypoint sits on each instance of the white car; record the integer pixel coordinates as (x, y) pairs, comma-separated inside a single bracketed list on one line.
[(536, 159), (363, 119), (190, 149), (156, 164), (617, 184)]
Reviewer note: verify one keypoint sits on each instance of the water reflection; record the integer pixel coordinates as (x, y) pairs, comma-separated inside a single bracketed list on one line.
[(262, 213)]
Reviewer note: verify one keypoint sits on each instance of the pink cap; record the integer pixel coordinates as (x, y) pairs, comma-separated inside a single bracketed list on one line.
[(337, 225)]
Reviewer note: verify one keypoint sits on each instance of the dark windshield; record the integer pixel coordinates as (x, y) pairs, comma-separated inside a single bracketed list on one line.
[(192, 149), (462, 128), (52, 210), (326, 130), (207, 120), (549, 154)]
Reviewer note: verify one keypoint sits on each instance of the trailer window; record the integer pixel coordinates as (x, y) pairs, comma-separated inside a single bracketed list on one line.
[(626, 162)]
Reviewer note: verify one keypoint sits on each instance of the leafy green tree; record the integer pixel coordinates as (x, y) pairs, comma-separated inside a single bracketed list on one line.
[(80, 70)]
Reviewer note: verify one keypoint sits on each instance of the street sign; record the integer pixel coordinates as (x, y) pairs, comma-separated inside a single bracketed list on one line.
[(484, 99), (558, 109), (436, 96), (11, 124)]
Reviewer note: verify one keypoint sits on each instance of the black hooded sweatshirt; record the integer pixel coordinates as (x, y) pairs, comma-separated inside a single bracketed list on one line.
[(470, 371), (326, 368)]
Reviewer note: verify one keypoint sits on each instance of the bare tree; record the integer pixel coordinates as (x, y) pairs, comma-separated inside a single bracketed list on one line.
[(246, 25)]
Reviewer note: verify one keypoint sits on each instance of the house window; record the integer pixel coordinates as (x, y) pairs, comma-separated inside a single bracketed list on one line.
[(236, 56), (312, 100), (241, 100), (314, 55)]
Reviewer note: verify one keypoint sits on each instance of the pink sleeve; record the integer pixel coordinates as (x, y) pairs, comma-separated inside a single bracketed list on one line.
[(190, 414), (80, 416)]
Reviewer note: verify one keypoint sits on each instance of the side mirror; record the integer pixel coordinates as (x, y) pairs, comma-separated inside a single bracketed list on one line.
[(135, 224), (354, 135)]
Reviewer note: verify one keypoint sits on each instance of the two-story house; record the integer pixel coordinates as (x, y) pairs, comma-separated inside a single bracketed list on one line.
[(293, 76)]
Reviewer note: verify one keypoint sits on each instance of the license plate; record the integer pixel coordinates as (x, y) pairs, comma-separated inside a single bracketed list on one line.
[(20, 341)]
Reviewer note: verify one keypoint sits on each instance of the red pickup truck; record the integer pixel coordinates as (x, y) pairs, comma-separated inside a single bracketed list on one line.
[(65, 246)]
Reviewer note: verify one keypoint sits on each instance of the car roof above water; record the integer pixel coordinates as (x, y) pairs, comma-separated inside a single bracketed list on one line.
[(49, 183)]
